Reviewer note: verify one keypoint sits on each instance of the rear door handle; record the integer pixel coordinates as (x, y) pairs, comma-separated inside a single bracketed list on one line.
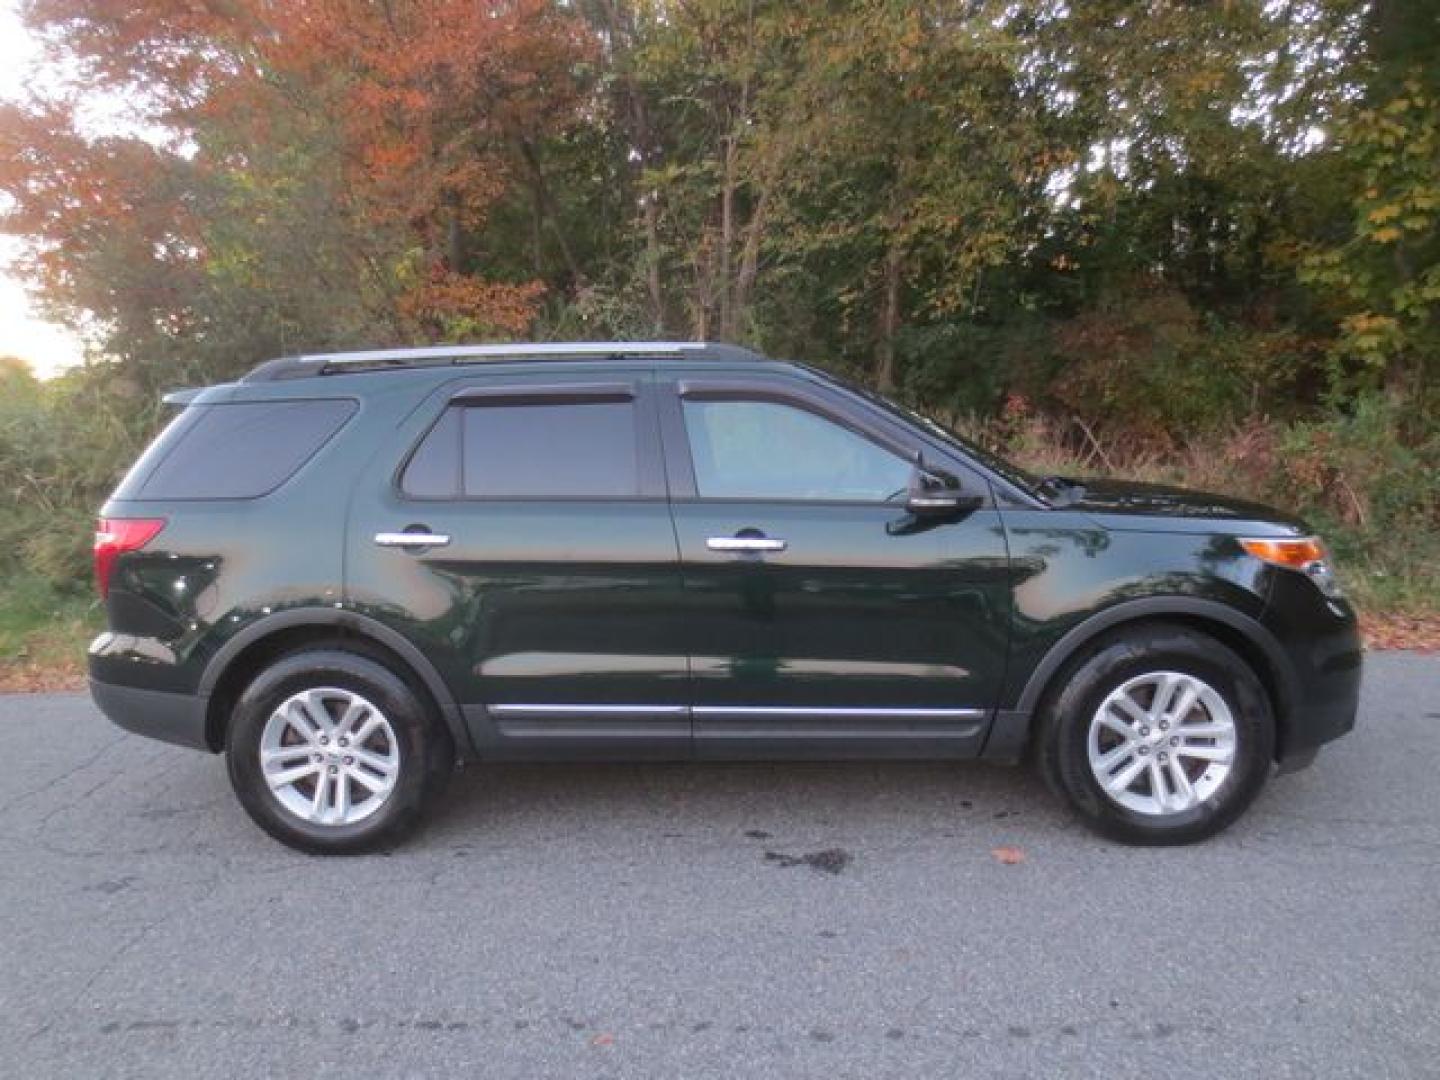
[(745, 544), (411, 539)]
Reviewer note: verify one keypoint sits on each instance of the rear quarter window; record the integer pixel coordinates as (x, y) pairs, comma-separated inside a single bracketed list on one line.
[(241, 450)]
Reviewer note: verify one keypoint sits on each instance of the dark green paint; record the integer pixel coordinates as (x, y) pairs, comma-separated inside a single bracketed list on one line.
[(591, 603)]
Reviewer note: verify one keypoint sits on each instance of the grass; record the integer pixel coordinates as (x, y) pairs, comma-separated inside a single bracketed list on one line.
[(43, 634)]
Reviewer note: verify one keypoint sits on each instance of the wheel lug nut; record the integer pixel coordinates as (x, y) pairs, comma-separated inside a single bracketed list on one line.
[(324, 740), (344, 741), (317, 758), (334, 769), (1164, 756), (1164, 725), (349, 760), (1144, 750), (1144, 731), (1174, 740)]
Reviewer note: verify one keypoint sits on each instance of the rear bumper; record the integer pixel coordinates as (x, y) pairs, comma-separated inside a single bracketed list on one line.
[(172, 718)]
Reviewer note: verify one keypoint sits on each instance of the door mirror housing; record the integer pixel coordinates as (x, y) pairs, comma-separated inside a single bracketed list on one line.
[(932, 493)]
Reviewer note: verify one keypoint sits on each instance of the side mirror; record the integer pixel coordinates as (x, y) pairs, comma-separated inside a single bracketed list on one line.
[(931, 493)]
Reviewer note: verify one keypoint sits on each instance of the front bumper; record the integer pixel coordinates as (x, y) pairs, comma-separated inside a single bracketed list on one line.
[(1321, 638), (172, 718)]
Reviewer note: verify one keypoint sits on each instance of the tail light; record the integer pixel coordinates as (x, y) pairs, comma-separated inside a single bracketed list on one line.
[(114, 537)]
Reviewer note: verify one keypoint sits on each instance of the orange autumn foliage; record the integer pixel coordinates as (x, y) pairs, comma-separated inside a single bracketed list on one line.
[(449, 299), (430, 103)]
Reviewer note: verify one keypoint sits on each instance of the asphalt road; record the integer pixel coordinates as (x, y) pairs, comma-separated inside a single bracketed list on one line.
[(662, 921)]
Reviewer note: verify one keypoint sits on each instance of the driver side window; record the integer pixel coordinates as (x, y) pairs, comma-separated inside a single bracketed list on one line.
[(771, 450)]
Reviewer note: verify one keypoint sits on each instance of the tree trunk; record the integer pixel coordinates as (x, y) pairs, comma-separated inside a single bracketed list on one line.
[(750, 253), (889, 323), (620, 28), (649, 205), (545, 202), (727, 238), (652, 263), (700, 309), (454, 235), (537, 237), (730, 182)]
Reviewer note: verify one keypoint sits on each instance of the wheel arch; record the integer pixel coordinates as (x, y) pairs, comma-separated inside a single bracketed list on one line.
[(245, 654), (1242, 634)]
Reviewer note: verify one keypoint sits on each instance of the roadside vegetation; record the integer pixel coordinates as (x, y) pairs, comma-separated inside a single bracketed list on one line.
[(1197, 243)]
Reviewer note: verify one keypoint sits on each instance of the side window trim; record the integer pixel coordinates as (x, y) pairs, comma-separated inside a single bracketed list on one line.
[(639, 391), (545, 394), (840, 409), (680, 465), (711, 390)]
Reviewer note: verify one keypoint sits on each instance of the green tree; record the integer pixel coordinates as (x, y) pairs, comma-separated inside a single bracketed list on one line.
[(1383, 278)]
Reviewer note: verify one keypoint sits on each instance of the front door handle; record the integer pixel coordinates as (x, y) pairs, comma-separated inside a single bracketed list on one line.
[(745, 544), (411, 539)]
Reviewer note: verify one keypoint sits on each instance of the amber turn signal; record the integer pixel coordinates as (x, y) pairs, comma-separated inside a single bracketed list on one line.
[(1294, 554)]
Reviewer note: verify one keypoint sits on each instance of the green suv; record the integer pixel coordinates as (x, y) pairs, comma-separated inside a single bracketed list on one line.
[(352, 572)]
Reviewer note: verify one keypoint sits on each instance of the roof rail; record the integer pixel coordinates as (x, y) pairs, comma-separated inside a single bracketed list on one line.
[(293, 367)]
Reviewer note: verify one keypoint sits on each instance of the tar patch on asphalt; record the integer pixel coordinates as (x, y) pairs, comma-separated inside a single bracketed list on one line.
[(829, 861)]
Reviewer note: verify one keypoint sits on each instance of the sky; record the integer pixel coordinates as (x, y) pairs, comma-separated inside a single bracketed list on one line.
[(48, 348)]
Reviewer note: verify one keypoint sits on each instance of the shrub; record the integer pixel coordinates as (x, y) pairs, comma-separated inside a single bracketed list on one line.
[(1375, 494), (1367, 479), (63, 446)]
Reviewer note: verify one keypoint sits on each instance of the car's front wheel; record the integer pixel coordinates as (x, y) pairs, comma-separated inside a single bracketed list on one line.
[(1160, 735), (331, 752)]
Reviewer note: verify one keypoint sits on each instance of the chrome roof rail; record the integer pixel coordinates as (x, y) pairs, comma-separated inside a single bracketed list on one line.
[(519, 351), (292, 367)]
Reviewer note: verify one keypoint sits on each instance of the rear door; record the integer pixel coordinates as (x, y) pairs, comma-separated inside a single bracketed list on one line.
[(525, 544), (819, 619)]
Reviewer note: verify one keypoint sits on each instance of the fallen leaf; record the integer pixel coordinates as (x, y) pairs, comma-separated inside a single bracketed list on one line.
[(603, 1039), (19, 676), (1400, 631), (1009, 856)]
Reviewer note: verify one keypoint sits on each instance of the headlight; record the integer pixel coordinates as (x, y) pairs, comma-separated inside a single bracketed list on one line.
[(1303, 553)]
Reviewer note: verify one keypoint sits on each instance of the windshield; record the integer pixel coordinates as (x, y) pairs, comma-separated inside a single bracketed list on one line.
[(1027, 482)]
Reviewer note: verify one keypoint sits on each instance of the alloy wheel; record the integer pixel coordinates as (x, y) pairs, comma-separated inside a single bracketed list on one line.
[(329, 756), (1162, 743)]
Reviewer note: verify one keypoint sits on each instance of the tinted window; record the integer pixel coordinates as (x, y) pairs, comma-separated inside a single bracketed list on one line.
[(239, 451), (769, 450), (434, 469), (532, 450)]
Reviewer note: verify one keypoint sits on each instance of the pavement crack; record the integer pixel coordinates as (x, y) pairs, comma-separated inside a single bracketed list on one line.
[(12, 803), (99, 973)]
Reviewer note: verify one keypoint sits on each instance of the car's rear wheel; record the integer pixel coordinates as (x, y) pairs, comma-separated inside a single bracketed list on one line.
[(331, 752), (1159, 735)]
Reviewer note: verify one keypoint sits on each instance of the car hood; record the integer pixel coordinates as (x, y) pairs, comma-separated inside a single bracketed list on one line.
[(1125, 498)]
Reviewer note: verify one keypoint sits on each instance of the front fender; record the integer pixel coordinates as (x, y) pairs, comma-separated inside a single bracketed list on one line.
[(1012, 726)]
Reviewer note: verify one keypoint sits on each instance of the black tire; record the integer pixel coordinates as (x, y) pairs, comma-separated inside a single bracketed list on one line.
[(1066, 716), (426, 755)]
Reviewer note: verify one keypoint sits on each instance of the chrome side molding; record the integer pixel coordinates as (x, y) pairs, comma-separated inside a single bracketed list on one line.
[(536, 711), (570, 711), (847, 712)]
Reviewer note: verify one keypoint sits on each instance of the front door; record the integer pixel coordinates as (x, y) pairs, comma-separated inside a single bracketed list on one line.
[(819, 620), (526, 545)]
